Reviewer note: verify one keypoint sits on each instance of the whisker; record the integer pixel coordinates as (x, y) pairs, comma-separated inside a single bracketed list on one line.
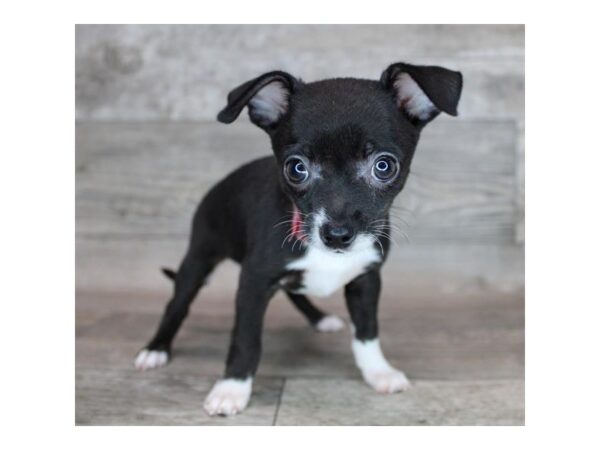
[(378, 243), (387, 226), (388, 237), (391, 227), (287, 238), (295, 242), (283, 223), (401, 220), (399, 210)]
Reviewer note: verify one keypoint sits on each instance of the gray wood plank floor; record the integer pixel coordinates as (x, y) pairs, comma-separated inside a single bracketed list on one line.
[(464, 355)]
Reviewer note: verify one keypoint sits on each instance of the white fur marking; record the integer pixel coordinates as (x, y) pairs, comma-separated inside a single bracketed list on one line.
[(329, 324), (376, 371), (228, 397), (150, 359), (270, 102), (324, 270), (412, 98)]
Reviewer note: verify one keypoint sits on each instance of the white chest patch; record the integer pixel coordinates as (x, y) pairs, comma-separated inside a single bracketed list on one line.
[(325, 271)]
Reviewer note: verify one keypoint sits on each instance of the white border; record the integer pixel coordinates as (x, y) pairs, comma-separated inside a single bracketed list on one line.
[(37, 184)]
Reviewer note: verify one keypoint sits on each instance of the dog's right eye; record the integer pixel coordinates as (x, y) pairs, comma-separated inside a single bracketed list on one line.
[(296, 170)]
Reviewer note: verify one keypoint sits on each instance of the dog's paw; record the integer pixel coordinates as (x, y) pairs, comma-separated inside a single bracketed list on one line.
[(387, 381), (151, 359), (329, 324), (228, 397)]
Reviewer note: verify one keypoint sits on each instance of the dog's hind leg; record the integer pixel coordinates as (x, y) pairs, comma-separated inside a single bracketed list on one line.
[(191, 275), (320, 320)]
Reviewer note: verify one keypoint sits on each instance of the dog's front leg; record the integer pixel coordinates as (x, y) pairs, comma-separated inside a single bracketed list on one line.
[(362, 296), (231, 394)]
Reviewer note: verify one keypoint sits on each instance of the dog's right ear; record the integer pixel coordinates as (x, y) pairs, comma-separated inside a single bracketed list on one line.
[(267, 98)]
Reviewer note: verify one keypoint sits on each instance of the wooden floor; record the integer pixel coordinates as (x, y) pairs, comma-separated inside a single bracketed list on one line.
[(464, 352)]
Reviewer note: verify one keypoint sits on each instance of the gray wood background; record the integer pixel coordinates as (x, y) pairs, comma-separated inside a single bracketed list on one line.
[(149, 147)]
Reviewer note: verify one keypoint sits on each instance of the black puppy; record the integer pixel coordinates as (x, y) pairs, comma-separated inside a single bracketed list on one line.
[(311, 219)]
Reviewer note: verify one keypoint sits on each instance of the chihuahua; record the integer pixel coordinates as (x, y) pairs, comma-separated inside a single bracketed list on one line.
[(312, 218)]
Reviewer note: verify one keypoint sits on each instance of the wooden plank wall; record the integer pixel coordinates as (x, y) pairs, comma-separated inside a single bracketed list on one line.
[(148, 146)]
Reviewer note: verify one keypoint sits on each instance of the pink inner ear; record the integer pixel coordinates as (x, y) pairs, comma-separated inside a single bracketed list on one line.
[(271, 102), (411, 98)]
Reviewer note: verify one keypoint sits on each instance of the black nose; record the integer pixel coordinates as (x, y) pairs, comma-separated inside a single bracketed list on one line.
[(338, 237)]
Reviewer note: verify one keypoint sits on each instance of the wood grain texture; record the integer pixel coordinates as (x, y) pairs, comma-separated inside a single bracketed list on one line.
[(146, 179), (124, 397), (436, 339), (520, 185), (132, 264), (119, 397), (350, 403), (184, 72), (466, 359)]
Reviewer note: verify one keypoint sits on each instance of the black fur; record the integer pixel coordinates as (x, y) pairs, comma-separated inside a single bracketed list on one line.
[(304, 305), (337, 126)]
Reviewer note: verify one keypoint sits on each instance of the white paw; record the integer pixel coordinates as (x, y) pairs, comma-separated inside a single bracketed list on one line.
[(329, 324), (387, 381), (376, 371), (228, 397), (151, 359)]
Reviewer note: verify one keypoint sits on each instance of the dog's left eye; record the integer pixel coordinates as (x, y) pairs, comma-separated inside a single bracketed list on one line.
[(385, 168)]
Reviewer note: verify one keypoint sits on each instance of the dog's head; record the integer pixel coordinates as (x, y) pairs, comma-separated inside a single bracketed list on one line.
[(345, 145)]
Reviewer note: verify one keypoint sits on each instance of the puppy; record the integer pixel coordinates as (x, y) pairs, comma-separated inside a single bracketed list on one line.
[(311, 219)]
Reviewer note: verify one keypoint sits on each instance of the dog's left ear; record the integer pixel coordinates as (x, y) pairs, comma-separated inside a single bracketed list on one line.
[(422, 92), (266, 96)]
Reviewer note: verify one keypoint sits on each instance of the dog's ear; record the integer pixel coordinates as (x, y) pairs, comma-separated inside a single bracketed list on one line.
[(267, 98), (422, 92)]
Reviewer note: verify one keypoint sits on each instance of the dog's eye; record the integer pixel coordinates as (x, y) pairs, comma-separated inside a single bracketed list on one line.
[(385, 168), (296, 170)]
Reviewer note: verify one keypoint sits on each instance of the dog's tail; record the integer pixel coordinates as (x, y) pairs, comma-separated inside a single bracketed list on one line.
[(169, 273)]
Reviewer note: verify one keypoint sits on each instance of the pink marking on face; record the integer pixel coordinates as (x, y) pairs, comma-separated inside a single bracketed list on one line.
[(297, 225)]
